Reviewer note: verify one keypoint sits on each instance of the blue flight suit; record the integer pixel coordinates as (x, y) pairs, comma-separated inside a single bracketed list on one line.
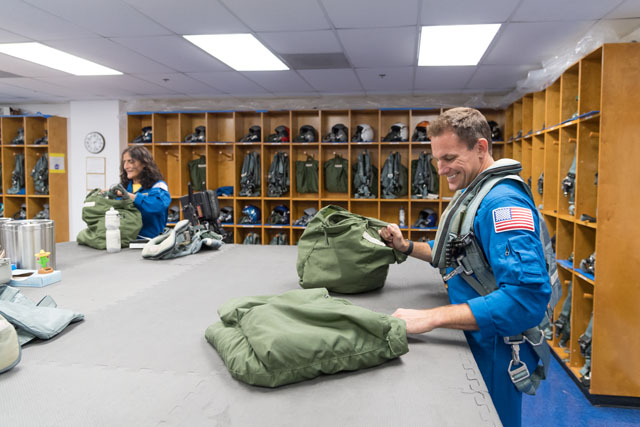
[(517, 260), (153, 203)]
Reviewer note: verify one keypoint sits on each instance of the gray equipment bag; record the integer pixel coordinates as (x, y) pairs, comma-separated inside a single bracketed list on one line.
[(250, 180), (184, 239), (251, 239), (569, 185), (17, 176), (278, 176), (424, 177), (395, 180), (365, 177), (279, 239), (40, 175)]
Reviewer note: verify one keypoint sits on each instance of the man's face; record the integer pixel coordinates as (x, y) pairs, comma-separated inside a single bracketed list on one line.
[(456, 162)]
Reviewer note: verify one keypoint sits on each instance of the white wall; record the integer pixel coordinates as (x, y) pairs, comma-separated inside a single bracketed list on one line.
[(107, 118)]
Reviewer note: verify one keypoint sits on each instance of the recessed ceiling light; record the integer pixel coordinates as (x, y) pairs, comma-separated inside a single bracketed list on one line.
[(444, 45), (54, 58), (242, 52)]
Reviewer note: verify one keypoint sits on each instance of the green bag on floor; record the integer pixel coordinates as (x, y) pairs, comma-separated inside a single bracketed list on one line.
[(301, 334), (344, 253), (96, 204)]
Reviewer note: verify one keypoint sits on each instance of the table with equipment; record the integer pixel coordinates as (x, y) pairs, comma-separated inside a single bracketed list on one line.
[(140, 357)]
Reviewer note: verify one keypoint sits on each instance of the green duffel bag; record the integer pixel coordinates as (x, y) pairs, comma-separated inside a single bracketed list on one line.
[(301, 334), (96, 204), (343, 252)]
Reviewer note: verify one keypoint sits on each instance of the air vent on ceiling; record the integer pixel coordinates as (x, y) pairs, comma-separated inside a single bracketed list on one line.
[(316, 61)]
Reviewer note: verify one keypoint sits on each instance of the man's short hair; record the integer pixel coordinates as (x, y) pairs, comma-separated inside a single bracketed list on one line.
[(467, 123)]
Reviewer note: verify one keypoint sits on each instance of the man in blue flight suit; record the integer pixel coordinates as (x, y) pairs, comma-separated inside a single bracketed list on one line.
[(506, 228)]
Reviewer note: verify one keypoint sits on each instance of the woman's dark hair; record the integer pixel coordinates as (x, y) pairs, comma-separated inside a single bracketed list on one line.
[(150, 173)]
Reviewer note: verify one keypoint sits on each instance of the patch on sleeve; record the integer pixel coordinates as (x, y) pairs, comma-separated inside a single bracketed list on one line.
[(514, 218)]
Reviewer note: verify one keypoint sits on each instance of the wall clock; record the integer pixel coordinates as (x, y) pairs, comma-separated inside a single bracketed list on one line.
[(94, 142)]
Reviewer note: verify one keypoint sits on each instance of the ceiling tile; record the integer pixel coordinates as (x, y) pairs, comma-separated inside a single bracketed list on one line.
[(301, 41), (371, 13), (565, 10), (180, 83), (99, 16), (385, 47), (442, 79), (113, 87), (9, 37), (33, 23), (392, 79), (66, 91), (333, 81), (627, 9), (110, 54), (174, 52), (24, 68), (279, 15), (191, 16), (550, 39), (465, 12), (498, 77), (279, 81), (231, 82)]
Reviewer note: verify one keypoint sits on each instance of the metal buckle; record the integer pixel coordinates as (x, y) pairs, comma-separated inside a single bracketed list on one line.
[(533, 343), (513, 340), (518, 374)]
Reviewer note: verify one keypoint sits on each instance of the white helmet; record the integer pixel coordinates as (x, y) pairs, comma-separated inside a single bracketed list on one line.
[(364, 133), (399, 132)]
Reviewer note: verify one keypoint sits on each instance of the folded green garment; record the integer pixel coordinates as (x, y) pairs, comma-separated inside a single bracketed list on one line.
[(282, 339)]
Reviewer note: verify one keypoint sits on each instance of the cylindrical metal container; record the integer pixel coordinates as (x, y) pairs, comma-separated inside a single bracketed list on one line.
[(2, 221), (9, 232), (34, 235)]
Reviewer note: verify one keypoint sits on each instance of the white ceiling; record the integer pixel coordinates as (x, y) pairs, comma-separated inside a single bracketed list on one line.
[(379, 38)]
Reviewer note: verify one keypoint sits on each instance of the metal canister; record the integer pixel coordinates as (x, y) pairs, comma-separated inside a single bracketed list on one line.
[(34, 235), (9, 233)]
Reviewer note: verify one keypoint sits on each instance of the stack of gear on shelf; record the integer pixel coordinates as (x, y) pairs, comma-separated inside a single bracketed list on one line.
[(307, 215), (569, 186), (254, 135), (343, 252), (425, 181), (399, 132), (225, 191), (585, 348), (278, 175), (174, 214), (22, 213), (280, 239), (40, 175), (420, 132), (496, 134), (365, 177), (281, 135), (588, 264), (394, 177), (282, 339), (145, 137), (336, 179), (44, 140), (96, 205), (182, 240), (17, 176), (198, 173), (226, 215), (250, 177), (251, 239), (364, 133), (307, 134), (563, 323), (339, 133), (279, 216), (426, 218), (199, 135), (307, 175), (19, 138), (250, 215), (44, 213)]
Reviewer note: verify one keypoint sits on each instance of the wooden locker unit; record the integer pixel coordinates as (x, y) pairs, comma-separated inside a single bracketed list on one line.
[(591, 112), (35, 127)]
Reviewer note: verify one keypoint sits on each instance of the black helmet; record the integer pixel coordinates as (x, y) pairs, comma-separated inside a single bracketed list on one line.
[(254, 135), (398, 132), (279, 215), (226, 214), (420, 133), (426, 218), (339, 133), (281, 135), (307, 134), (146, 136), (197, 136), (496, 134)]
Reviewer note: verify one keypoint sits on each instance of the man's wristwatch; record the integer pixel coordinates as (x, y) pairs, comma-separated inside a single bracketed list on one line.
[(410, 249)]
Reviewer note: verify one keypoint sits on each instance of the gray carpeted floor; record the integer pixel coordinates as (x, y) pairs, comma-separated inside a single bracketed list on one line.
[(140, 358)]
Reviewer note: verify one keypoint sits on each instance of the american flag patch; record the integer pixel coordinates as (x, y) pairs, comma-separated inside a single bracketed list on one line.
[(506, 219)]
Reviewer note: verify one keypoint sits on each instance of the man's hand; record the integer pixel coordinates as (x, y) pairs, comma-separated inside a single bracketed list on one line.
[(456, 316), (392, 235), (418, 321)]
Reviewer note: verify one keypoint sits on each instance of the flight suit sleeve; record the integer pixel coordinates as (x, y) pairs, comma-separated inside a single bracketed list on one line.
[(517, 259), (156, 199)]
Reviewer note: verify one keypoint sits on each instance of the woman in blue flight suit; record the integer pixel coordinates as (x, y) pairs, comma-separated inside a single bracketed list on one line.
[(140, 175), (460, 143)]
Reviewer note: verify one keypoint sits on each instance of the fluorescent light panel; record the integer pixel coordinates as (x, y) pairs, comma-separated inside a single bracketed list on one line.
[(54, 58), (242, 52), (446, 45)]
